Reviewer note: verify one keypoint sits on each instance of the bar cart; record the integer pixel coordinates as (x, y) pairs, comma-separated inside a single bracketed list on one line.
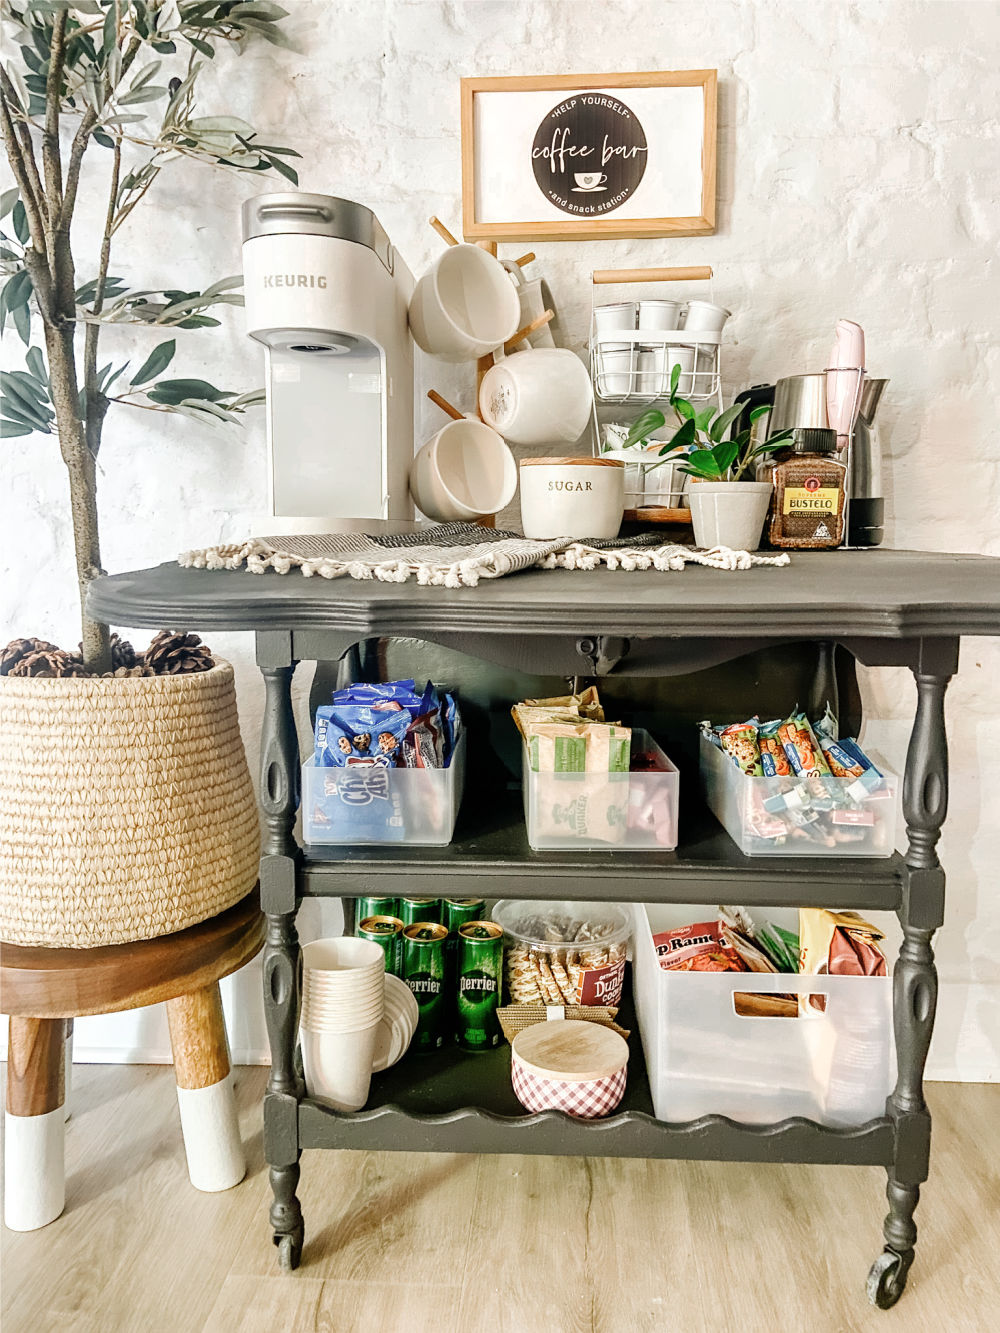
[(878, 608)]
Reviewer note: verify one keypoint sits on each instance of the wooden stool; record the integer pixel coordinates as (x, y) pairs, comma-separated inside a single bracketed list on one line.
[(43, 988)]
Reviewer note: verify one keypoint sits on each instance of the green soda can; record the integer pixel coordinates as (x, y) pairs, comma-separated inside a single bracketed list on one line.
[(457, 911), (413, 910), (480, 975), (424, 973), (366, 907), (387, 933)]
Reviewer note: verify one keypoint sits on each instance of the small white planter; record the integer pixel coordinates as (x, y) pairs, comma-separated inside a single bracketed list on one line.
[(728, 513)]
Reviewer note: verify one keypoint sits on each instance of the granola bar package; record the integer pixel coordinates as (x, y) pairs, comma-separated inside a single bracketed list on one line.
[(741, 744)]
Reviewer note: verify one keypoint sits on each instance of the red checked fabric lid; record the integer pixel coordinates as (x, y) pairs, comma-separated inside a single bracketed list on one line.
[(570, 1050)]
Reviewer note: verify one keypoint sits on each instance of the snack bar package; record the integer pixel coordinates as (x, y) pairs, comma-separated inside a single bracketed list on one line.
[(740, 742), (773, 759), (839, 944), (802, 747)]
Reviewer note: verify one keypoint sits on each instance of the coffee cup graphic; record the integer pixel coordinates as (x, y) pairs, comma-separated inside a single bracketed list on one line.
[(590, 180)]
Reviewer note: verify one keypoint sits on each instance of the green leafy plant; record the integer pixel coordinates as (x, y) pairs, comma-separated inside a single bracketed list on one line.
[(716, 458), (121, 75)]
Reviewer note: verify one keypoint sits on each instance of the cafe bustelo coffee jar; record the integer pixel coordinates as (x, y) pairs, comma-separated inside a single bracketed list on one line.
[(807, 505)]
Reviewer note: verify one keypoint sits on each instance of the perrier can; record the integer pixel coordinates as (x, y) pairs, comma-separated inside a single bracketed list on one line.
[(387, 933), (458, 911), (480, 972), (424, 973), (365, 907), (412, 910)]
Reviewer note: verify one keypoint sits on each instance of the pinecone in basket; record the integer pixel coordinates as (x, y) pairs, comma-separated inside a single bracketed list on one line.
[(20, 648), (48, 661), (138, 669), (173, 653), (122, 654)]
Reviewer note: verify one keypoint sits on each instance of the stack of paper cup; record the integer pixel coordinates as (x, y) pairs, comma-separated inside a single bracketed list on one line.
[(616, 360), (343, 1000)]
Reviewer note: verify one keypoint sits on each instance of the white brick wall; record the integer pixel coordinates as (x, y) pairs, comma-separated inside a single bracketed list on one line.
[(858, 176)]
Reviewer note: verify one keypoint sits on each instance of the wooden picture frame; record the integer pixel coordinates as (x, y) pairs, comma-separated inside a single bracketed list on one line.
[(522, 136)]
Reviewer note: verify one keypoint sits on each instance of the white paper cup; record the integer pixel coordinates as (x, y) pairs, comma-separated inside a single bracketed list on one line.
[(338, 1066), (464, 306), (463, 472), (678, 356), (608, 318), (541, 396), (704, 317), (572, 497), (614, 369), (339, 953), (659, 314)]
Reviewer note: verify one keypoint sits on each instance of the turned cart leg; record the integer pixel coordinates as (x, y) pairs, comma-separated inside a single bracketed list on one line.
[(282, 955), (925, 803), (209, 1122), (34, 1161)]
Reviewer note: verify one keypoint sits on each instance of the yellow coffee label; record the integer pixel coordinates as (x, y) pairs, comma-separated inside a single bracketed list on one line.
[(822, 500)]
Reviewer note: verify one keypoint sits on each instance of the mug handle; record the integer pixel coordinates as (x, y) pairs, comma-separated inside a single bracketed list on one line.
[(522, 335)]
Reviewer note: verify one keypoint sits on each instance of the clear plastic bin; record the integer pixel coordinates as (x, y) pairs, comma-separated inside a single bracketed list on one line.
[(851, 828), (835, 1066), (605, 811), (359, 806)]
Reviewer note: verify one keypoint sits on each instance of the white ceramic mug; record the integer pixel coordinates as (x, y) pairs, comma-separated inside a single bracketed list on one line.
[(464, 305), (533, 304), (572, 497), (704, 317), (542, 396), (465, 471)]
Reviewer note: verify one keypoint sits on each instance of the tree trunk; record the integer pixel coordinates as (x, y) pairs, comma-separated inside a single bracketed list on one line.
[(82, 472)]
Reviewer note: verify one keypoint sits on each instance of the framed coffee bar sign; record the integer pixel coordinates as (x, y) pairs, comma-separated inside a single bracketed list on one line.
[(573, 156)]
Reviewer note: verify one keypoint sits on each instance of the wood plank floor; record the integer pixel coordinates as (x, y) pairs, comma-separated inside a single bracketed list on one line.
[(406, 1243)]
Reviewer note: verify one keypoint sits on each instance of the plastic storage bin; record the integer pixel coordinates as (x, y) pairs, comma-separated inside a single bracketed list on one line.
[(834, 1066), (866, 828), (359, 806), (606, 811)]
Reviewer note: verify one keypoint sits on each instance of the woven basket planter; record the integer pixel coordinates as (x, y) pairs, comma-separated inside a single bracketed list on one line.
[(126, 808)]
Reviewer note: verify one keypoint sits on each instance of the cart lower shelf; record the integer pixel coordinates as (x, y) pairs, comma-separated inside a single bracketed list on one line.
[(454, 1101)]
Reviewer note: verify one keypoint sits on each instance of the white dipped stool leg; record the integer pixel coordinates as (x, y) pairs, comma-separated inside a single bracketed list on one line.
[(205, 1091), (68, 1078), (34, 1152)]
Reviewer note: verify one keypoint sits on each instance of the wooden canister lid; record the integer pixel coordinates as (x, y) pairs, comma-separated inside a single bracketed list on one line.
[(570, 1049), (571, 462)]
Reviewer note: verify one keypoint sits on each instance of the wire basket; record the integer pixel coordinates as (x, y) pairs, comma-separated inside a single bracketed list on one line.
[(634, 366)]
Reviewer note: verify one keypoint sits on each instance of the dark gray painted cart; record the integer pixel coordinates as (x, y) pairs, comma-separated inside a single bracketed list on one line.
[(879, 608)]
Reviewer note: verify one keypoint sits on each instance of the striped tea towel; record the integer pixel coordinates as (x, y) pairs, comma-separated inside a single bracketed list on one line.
[(457, 555)]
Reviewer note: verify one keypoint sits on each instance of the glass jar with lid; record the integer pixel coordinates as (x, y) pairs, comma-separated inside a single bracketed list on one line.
[(808, 502)]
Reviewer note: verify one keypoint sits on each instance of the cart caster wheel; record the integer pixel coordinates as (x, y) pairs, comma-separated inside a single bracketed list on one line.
[(887, 1278), (289, 1252)]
